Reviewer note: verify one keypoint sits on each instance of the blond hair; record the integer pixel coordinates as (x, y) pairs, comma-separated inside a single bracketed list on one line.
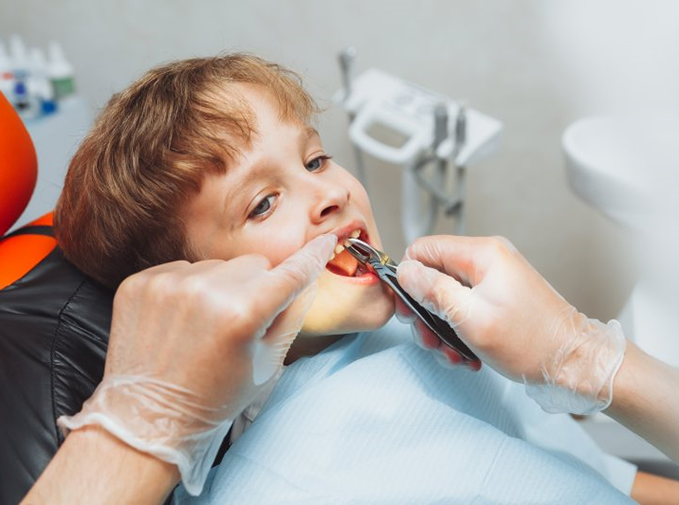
[(149, 151)]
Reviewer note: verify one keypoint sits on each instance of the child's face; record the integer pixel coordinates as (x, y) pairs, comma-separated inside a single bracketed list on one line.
[(281, 193)]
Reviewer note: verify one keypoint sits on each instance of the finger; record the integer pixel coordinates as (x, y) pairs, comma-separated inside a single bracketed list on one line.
[(437, 292), (310, 260), (403, 312), (271, 350), (221, 274), (427, 337), (461, 257), (474, 366), (166, 267), (442, 360), (453, 357), (278, 289), (141, 278)]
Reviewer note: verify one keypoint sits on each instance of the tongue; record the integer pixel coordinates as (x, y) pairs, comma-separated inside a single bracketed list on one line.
[(343, 264)]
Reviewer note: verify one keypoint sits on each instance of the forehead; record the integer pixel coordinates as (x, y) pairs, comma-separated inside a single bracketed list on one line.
[(266, 118), (252, 99)]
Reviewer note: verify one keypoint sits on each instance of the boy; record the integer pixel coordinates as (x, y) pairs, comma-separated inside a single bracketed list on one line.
[(212, 158)]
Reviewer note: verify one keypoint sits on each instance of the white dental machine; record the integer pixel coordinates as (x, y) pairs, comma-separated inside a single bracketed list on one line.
[(438, 133)]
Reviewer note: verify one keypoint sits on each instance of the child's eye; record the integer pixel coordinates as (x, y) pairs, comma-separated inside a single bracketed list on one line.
[(263, 207), (317, 163)]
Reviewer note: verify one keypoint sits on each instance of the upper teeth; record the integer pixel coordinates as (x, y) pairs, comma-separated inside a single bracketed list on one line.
[(340, 247)]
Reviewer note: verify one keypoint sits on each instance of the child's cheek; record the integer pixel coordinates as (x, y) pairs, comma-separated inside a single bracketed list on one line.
[(278, 246)]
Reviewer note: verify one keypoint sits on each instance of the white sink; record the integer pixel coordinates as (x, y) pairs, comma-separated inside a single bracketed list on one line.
[(622, 165), (628, 168)]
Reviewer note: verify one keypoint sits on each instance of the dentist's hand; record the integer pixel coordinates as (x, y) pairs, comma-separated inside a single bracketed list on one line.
[(190, 346), (514, 320)]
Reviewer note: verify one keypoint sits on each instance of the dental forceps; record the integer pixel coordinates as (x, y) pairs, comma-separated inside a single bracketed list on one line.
[(385, 268)]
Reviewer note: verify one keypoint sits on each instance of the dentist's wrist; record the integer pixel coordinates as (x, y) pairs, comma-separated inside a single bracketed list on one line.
[(578, 378)]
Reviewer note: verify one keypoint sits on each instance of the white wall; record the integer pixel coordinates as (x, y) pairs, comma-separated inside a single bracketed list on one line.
[(535, 64)]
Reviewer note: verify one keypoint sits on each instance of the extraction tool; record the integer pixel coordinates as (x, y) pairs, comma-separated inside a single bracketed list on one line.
[(385, 268)]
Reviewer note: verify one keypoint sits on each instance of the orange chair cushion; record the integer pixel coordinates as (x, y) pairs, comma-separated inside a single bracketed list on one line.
[(18, 166), (20, 253)]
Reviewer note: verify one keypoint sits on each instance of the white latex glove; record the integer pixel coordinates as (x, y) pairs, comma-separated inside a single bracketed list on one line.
[(190, 347), (514, 320)]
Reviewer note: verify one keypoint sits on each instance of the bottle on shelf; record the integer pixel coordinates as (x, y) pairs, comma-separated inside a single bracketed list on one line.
[(31, 82), (60, 71), (37, 82)]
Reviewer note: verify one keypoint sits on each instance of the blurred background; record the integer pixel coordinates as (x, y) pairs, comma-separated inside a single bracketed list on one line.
[(534, 65)]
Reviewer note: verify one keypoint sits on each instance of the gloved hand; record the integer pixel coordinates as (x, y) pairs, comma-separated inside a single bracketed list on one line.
[(190, 347), (514, 320)]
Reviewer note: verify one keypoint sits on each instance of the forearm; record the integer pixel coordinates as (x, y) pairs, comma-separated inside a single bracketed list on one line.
[(93, 466), (646, 400), (651, 489)]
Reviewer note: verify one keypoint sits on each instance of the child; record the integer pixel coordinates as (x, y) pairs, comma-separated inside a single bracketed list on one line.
[(214, 158)]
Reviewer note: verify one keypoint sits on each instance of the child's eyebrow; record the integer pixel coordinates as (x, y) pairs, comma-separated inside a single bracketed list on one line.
[(310, 132)]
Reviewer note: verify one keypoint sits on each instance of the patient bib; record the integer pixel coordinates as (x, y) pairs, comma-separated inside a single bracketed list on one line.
[(374, 419)]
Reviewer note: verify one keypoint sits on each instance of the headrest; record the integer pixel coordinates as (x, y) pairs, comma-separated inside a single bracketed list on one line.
[(18, 166)]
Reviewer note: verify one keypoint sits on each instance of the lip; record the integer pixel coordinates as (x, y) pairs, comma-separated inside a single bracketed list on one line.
[(367, 279), (342, 233)]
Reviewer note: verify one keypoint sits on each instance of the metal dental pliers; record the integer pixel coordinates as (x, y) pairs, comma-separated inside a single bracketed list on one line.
[(385, 268)]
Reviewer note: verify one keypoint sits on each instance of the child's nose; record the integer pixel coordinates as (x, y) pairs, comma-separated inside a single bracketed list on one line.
[(330, 200)]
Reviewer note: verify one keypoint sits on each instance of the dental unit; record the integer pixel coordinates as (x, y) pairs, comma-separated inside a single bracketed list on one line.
[(439, 132)]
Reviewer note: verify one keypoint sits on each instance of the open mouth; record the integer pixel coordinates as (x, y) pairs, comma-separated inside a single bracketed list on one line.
[(343, 263)]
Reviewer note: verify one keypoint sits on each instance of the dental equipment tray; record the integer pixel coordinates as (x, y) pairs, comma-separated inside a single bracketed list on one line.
[(376, 97)]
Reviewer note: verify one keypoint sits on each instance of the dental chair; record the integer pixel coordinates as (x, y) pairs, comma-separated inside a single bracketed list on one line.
[(54, 324)]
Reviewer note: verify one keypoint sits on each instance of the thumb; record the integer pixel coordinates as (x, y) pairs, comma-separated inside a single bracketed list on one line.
[(270, 351), (292, 276), (436, 291)]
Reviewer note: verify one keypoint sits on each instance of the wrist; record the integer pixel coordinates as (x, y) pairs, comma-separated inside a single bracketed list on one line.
[(591, 359), (578, 378), (157, 418), (93, 465)]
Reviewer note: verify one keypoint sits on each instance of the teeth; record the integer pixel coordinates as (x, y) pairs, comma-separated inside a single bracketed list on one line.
[(340, 247), (333, 256)]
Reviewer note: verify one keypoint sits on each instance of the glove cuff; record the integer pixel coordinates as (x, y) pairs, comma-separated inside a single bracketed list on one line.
[(159, 419), (579, 378)]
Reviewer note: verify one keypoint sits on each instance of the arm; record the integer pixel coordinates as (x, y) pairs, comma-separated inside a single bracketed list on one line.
[(91, 462), (646, 400), (653, 490)]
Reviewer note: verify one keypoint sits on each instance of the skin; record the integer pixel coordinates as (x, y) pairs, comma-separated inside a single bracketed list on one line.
[(123, 476), (281, 193)]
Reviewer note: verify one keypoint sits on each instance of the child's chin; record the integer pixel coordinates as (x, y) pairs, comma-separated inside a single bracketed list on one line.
[(337, 322), (340, 308)]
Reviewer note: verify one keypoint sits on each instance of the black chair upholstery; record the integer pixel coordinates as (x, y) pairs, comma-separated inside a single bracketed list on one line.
[(54, 327)]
